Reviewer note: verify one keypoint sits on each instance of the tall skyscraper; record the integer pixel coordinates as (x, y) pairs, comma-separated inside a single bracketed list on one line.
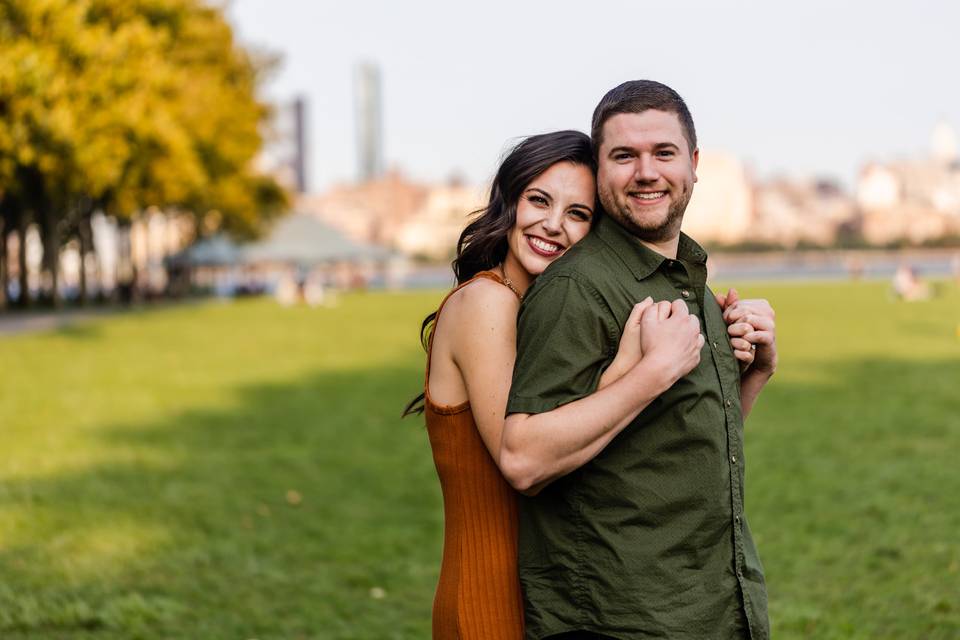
[(300, 133), (369, 138), (284, 152)]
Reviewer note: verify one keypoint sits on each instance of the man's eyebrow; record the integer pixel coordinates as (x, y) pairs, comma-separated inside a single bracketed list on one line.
[(659, 145)]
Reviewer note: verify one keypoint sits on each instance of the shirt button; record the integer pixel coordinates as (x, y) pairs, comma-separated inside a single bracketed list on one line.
[(733, 459), (728, 403), (716, 346), (736, 519), (685, 293)]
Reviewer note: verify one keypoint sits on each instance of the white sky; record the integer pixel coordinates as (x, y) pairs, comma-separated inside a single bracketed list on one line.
[(802, 88)]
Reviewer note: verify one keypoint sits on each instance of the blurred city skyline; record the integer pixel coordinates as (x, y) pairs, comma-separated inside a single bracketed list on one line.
[(807, 90)]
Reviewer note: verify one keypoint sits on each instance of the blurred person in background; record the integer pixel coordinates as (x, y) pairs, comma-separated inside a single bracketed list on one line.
[(542, 201)]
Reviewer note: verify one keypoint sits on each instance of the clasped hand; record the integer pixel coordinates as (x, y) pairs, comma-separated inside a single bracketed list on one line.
[(670, 333), (752, 330)]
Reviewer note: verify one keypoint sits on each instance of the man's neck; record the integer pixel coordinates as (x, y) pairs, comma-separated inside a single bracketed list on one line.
[(667, 248)]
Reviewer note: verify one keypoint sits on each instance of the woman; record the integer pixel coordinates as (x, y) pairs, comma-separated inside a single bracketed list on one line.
[(542, 201)]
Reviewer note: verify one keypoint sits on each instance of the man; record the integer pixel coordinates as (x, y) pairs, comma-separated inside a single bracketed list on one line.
[(648, 538)]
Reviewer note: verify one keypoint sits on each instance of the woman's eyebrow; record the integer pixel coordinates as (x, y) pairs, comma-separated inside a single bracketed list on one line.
[(540, 191)]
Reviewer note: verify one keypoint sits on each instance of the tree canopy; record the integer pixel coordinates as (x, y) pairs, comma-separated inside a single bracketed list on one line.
[(121, 105)]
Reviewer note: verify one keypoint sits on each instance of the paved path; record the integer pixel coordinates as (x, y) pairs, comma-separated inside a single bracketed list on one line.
[(13, 323)]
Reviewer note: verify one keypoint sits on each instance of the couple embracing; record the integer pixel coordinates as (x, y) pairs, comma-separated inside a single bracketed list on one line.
[(586, 419)]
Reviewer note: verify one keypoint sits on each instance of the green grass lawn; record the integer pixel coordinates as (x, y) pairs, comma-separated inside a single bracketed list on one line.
[(239, 471)]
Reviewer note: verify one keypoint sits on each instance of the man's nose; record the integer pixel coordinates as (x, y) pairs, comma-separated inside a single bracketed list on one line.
[(646, 169)]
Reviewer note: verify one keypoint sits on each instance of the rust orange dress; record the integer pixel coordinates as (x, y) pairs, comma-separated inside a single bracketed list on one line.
[(478, 595)]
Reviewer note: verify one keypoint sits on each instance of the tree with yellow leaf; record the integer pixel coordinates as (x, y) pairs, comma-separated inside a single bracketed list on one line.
[(121, 105)]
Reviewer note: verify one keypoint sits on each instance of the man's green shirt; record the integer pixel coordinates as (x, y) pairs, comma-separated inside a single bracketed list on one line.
[(649, 538)]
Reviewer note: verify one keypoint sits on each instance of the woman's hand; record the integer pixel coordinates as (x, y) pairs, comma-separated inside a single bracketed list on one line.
[(670, 339), (629, 352)]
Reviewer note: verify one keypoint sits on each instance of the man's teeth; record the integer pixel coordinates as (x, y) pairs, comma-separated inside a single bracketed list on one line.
[(543, 245), (649, 196)]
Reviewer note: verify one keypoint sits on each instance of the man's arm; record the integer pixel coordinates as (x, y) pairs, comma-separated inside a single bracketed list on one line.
[(559, 356)]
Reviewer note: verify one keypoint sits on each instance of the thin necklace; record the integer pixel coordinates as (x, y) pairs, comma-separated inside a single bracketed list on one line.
[(506, 281)]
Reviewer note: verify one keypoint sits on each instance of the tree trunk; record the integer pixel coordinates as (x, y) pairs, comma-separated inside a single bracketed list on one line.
[(3, 264), (24, 300), (126, 272), (51, 254), (85, 235)]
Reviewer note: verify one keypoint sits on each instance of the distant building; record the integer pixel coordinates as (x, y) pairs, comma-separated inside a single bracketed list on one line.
[(721, 209), (789, 213), (915, 200), (367, 102), (433, 231), (371, 211), (393, 211), (284, 151)]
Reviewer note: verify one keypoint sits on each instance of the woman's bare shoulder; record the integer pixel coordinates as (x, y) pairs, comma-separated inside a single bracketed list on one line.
[(483, 300)]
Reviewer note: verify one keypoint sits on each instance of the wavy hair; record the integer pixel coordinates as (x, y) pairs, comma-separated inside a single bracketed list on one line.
[(483, 243)]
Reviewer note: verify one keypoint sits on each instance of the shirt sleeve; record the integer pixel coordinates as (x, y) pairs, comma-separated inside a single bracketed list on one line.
[(566, 336)]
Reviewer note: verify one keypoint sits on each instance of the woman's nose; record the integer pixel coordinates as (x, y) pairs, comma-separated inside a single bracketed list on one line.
[(553, 221)]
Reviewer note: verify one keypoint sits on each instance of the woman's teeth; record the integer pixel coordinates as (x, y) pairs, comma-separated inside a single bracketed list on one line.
[(543, 245)]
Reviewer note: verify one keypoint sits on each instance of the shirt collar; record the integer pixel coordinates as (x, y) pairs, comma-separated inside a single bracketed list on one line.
[(640, 259)]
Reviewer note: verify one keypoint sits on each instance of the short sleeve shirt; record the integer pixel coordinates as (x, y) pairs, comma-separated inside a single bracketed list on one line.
[(648, 539)]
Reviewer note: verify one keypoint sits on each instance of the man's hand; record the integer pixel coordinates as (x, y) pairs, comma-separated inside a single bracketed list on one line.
[(751, 326), (670, 336)]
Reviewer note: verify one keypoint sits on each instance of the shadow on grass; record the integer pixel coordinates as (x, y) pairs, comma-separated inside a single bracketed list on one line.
[(309, 510), (854, 498), (80, 331)]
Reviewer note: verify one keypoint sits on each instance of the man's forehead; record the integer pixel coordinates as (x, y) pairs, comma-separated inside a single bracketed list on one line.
[(647, 128)]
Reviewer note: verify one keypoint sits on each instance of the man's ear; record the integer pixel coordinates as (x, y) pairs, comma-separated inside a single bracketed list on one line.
[(694, 159)]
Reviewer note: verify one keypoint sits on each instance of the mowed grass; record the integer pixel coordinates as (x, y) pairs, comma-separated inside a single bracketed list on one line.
[(240, 471)]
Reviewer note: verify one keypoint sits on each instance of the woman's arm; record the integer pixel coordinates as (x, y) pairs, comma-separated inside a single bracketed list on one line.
[(481, 329), (629, 354), (540, 447), (482, 337)]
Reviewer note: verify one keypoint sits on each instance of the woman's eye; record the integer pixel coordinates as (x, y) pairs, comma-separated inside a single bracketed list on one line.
[(580, 214), (537, 200)]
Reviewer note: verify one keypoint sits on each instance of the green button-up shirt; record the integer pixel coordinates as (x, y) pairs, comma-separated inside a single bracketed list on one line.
[(649, 538)]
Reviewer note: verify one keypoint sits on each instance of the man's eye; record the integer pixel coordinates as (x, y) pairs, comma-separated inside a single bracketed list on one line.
[(620, 157), (665, 154)]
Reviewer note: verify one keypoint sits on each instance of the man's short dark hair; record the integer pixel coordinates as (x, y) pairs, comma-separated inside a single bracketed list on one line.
[(637, 96)]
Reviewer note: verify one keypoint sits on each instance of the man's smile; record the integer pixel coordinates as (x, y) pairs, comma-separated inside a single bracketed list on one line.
[(648, 197)]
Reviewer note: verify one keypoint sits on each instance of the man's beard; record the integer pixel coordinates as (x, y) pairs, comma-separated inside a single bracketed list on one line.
[(669, 228)]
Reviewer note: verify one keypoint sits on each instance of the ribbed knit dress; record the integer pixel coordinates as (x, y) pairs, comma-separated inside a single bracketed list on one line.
[(478, 595)]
